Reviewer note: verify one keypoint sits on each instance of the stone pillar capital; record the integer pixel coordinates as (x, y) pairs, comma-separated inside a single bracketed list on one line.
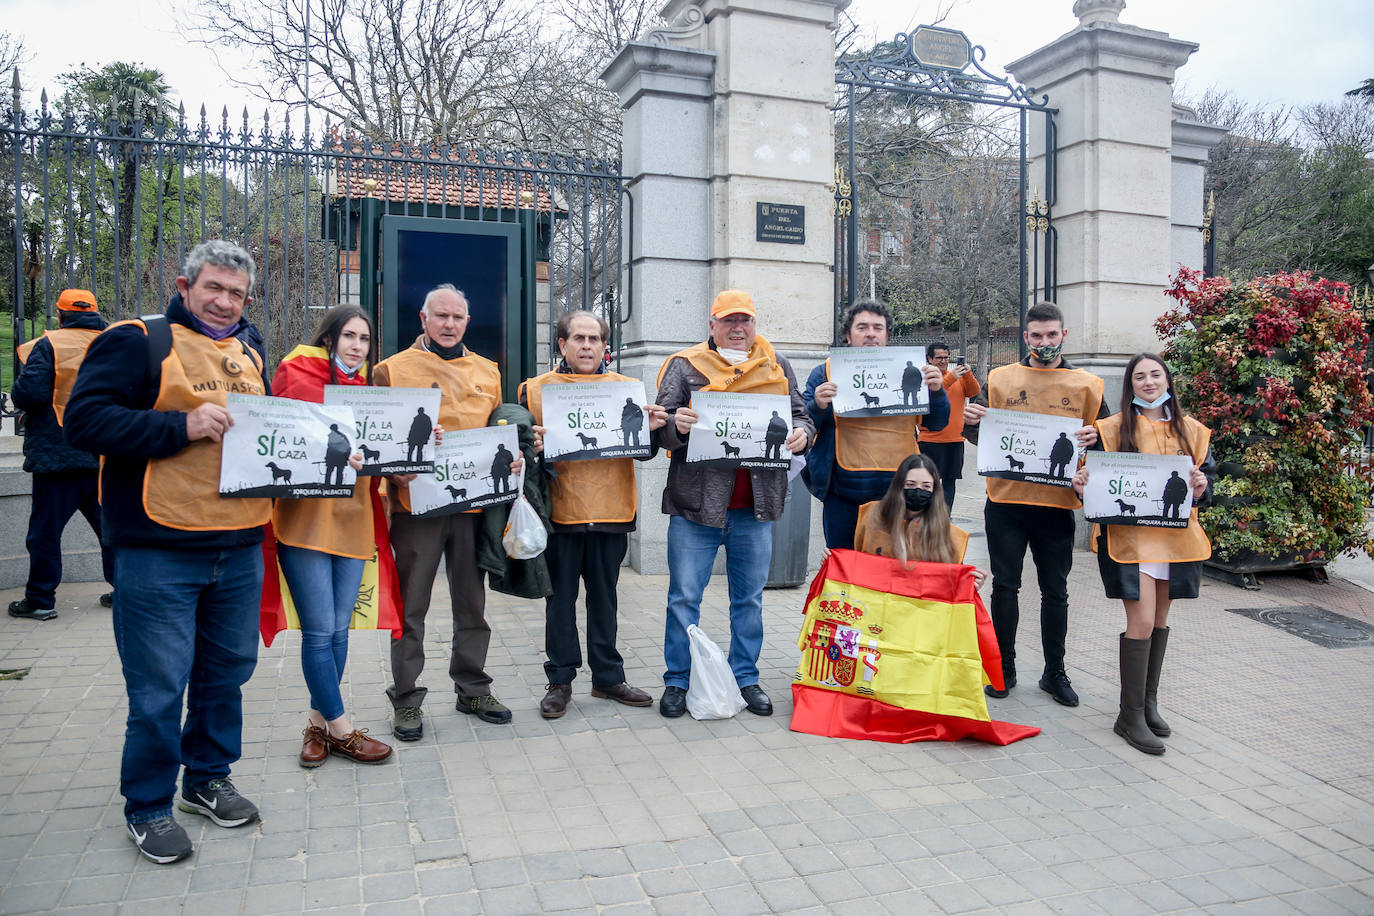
[(1090, 11), (657, 68), (1103, 45)]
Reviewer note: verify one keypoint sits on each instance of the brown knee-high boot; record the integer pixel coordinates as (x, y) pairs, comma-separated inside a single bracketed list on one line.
[(1159, 641), (1130, 723)]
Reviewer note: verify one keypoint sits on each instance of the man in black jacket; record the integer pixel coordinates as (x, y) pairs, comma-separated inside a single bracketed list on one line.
[(64, 478)]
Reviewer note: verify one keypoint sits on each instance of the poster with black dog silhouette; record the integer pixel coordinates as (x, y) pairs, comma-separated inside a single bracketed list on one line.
[(740, 430), (286, 448), (395, 426), (471, 471), (1032, 447), (1129, 488), (584, 420), (879, 381)]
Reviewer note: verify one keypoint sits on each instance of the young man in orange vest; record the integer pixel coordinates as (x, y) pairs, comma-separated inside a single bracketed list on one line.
[(471, 387), (713, 507), (64, 478), (946, 446), (593, 511), (188, 564), (1020, 515)]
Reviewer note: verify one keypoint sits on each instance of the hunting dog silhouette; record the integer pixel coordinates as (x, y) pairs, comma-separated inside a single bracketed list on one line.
[(731, 451), (1014, 465), (869, 400), (1126, 508), (369, 454), (457, 492), (282, 474), (587, 441)]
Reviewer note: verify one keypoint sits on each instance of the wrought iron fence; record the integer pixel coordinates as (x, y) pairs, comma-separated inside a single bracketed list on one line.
[(114, 206)]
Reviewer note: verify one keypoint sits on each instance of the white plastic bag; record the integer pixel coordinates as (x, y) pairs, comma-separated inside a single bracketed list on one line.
[(713, 693), (525, 537)]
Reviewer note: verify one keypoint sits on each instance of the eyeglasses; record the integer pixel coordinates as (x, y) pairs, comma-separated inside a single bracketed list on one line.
[(939, 359)]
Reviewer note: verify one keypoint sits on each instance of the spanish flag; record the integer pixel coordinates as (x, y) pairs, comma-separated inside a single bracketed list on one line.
[(897, 652)]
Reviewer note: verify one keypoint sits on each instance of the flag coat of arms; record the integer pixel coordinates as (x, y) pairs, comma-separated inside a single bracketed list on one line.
[(898, 652)]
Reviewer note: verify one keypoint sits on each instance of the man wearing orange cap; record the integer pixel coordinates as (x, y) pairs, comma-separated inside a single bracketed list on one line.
[(711, 506), (64, 478)]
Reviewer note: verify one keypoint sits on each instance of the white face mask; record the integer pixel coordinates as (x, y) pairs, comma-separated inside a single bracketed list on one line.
[(733, 357)]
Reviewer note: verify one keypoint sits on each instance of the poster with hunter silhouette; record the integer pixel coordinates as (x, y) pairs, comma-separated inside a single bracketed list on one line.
[(879, 381), (740, 430), (584, 420), (395, 426), (471, 471), (281, 447), (1132, 488), (1031, 447)]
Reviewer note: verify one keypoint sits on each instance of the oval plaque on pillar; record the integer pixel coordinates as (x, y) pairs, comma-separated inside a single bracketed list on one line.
[(940, 49)]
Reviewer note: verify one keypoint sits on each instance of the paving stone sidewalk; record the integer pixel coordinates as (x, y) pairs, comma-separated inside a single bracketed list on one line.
[(1263, 803)]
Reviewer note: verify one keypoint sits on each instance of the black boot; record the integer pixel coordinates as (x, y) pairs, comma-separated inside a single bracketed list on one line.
[(1159, 641), (1130, 723)]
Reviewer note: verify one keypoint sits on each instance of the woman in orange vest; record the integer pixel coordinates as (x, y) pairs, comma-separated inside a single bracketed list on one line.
[(324, 544), (911, 521), (1147, 568)]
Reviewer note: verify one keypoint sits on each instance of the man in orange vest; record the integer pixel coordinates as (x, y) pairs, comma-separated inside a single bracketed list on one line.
[(64, 478), (593, 511), (711, 507), (946, 446), (1020, 514), (150, 400), (471, 387)]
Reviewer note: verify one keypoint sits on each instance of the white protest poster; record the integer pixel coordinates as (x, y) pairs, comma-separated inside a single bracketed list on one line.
[(471, 471), (584, 420), (879, 381), (741, 430), (1033, 447), (1128, 488), (395, 426), (285, 447)]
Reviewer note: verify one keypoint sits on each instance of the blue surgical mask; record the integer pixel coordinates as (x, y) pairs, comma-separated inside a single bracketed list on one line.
[(1151, 405), (345, 368)]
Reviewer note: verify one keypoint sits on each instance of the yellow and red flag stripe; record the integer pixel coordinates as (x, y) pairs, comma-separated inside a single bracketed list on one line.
[(897, 652)]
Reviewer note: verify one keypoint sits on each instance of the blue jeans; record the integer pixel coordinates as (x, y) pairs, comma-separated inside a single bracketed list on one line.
[(325, 590), (185, 624), (691, 553)]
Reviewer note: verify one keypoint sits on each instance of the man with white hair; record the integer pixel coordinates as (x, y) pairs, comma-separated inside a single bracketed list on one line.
[(471, 387)]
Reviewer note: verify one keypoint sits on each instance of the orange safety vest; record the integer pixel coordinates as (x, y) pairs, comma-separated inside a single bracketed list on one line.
[(339, 527), (1073, 393), (869, 538), (600, 491), (182, 491), (1139, 544), (873, 443), (471, 387), (761, 373), (68, 350)]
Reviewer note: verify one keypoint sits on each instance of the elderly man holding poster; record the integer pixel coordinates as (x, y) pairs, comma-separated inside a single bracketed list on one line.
[(855, 457), (151, 399), (471, 388), (593, 512), (712, 505)]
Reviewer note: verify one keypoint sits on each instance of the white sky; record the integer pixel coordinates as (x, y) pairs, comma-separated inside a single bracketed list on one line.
[(1277, 51)]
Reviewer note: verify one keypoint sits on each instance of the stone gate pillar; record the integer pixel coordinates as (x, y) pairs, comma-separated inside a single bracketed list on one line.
[(726, 109), (1119, 155)]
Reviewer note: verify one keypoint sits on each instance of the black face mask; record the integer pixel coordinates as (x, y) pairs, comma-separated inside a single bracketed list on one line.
[(917, 500)]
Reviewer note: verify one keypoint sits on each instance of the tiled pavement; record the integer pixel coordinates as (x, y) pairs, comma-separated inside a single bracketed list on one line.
[(1264, 802)]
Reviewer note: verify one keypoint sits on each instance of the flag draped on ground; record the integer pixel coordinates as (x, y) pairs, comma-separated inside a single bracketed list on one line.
[(897, 652)]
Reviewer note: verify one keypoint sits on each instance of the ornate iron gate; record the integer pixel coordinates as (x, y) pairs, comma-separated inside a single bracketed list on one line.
[(942, 65)]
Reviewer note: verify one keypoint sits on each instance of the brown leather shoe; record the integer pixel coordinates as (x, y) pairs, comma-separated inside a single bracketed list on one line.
[(358, 746), (623, 693), (555, 702), (315, 748)]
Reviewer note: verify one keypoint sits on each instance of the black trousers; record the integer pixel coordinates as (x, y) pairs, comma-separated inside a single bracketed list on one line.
[(56, 498), (949, 459), (1011, 528), (594, 557)]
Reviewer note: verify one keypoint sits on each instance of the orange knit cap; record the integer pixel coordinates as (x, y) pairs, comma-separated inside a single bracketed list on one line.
[(76, 300)]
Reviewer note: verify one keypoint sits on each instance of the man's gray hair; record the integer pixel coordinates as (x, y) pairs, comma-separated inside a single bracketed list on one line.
[(443, 288), (221, 254)]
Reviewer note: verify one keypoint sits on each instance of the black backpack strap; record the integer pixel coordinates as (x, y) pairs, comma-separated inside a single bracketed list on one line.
[(159, 343)]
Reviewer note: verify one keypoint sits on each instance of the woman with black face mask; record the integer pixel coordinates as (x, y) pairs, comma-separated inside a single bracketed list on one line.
[(911, 521)]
